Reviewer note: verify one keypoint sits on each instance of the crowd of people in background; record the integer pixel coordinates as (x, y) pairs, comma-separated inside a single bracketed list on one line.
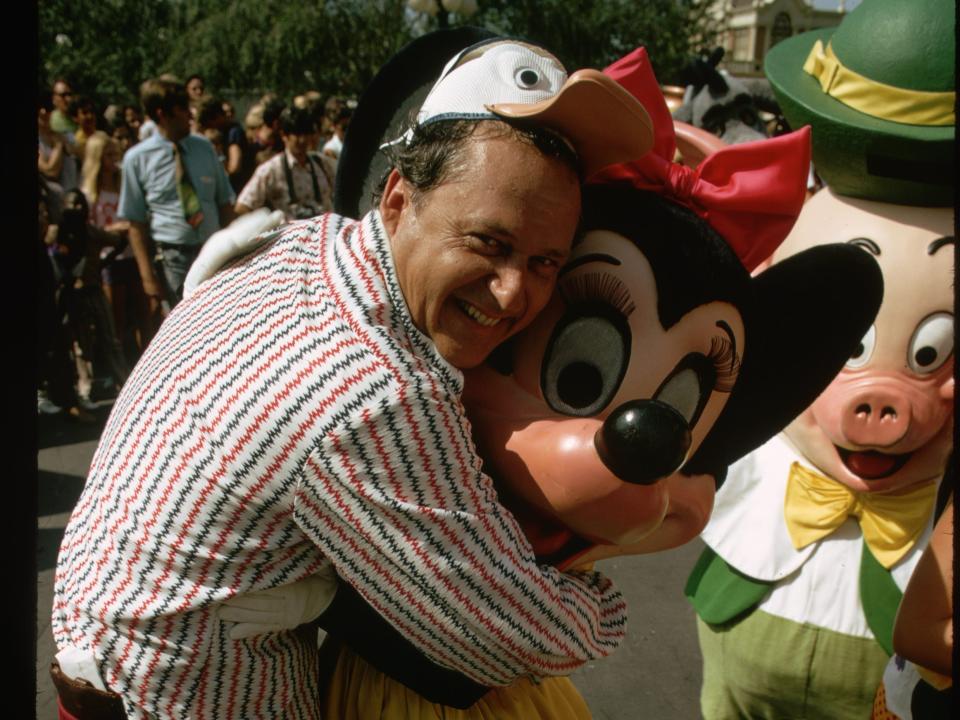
[(121, 217)]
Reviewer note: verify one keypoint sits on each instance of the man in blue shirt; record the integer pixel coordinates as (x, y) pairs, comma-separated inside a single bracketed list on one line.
[(174, 188)]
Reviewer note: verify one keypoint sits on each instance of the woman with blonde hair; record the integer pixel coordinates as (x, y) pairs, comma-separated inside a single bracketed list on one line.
[(100, 183)]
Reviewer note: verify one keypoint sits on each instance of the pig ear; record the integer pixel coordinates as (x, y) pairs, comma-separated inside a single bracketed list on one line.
[(807, 315)]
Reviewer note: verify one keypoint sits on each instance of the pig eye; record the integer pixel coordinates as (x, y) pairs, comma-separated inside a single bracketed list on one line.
[(931, 344), (861, 356), (585, 361)]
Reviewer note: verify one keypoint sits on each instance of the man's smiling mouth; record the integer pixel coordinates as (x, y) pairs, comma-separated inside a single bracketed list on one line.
[(477, 315)]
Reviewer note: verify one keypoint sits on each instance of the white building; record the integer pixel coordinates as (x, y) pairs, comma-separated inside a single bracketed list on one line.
[(749, 28)]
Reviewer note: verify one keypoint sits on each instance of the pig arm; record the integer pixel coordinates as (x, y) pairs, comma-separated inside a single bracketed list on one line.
[(923, 630)]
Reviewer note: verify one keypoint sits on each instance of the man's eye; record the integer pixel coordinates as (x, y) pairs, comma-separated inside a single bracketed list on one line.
[(488, 245), (545, 265)]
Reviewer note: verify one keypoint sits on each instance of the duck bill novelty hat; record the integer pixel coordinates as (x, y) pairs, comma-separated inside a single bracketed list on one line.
[(485, 77), (879, 94)]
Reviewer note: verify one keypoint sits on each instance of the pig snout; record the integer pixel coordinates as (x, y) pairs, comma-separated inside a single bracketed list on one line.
[(877, 418), (881, 413)]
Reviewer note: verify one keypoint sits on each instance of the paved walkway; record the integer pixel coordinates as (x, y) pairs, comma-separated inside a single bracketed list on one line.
[(656, 674)]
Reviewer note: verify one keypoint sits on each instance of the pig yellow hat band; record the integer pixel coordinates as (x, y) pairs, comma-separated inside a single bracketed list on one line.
[(911, 107)]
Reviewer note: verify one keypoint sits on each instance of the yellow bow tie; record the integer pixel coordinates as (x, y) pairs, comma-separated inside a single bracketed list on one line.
[(891, 523)]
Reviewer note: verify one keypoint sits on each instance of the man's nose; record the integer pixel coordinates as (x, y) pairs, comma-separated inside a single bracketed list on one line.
[(508, 285)]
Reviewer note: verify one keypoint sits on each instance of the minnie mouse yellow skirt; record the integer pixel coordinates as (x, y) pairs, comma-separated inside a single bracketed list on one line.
[(358, 691)]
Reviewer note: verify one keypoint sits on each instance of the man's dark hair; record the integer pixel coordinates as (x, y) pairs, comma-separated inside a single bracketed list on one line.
[(81, 102), (437, 150), (344, 116), (331, 108), (297, 121), (209, 108), (195, 76), (45, 100), (272, 109), (157, 94)]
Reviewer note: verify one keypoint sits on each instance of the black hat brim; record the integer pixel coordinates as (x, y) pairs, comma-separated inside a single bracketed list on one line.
[(385, 108)]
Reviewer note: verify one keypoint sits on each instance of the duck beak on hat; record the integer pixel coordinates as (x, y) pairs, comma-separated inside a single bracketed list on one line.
[(599, 117)]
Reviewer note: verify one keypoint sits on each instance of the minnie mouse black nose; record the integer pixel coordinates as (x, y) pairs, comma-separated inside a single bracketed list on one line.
[(643, 441)]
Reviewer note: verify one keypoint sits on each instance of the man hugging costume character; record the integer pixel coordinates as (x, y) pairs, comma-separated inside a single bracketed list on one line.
[(605, 423)]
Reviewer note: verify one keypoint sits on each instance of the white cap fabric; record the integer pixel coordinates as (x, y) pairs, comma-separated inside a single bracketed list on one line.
[(509, 79), (502, 71)]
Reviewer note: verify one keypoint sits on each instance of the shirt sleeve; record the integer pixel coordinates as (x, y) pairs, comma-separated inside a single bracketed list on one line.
[(254, 193), (223, 190), (236, 136), (132, 205), (396, 499)]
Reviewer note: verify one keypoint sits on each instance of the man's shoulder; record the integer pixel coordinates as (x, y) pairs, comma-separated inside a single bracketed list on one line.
[(271, 168), (328, 162), (236, 135), (198, 143), (145, 148)]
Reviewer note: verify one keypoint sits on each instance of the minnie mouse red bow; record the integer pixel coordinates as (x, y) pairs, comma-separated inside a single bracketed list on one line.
[(750, 193)]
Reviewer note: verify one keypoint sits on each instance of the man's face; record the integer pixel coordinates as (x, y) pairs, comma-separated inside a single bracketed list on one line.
[(177, 123), (86, 118), (297, 145), (61, 96), (477, 257), (195, 88), (132, 117)]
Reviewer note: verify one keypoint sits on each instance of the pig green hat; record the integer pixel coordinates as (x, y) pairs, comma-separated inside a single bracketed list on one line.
[(879, 92)]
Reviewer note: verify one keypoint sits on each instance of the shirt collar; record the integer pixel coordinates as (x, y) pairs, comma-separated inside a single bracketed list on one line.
[(399, 312), (294, 162)]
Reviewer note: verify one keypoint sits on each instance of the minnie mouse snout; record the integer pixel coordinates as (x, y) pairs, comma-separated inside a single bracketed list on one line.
[(643, 441)]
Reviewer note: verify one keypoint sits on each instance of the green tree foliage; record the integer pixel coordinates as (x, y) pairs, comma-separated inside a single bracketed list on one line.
[(594, 33), (105, 48), (288, 47), (108, 47)]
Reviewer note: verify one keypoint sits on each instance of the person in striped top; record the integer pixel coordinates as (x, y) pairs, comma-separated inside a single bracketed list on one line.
[(301, 412)]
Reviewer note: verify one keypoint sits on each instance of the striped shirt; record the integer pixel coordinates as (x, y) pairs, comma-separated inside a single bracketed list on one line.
[(286, 416)]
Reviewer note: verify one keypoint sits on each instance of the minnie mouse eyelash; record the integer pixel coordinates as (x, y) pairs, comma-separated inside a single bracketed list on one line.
[(597, 286), (726, 363)]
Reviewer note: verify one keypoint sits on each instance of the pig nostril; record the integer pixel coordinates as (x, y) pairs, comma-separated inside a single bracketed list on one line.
[(863, 409), (888, 413)]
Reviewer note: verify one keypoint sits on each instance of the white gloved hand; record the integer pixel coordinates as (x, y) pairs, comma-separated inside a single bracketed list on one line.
[(240, 237), (280, 608)]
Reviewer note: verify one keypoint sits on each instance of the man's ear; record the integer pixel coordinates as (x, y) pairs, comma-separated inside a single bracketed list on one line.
[(393, 202)]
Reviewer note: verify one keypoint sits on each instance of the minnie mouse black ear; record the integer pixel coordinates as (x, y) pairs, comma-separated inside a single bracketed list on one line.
[(386, 107), (807, 314)]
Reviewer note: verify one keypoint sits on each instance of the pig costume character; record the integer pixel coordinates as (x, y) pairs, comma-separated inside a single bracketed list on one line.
[(815, 535), (605, 423)]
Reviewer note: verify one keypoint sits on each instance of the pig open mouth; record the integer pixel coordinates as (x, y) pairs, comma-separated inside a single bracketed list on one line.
[(871, 464)]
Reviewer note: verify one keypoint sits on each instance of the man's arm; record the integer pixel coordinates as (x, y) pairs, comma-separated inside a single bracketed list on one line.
[(133, 208), (224, 191), (395, 498), (51, 166), (227, 215), (254, 193), (234, 159), (138, 237)]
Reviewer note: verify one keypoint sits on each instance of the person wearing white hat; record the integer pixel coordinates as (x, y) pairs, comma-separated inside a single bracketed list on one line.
[(300, 414)]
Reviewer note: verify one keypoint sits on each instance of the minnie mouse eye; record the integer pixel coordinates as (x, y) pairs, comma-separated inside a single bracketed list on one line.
[(527, 78)]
